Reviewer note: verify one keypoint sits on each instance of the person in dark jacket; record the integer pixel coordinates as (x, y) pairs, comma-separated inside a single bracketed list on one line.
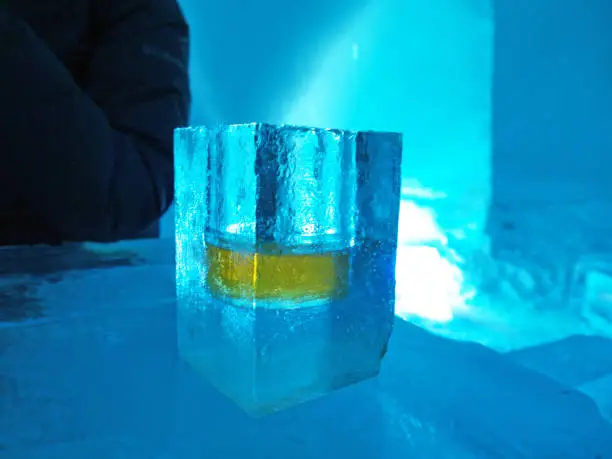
[(90, 93)]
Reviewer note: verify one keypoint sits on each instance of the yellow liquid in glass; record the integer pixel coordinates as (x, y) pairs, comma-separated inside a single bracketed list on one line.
[(274, 275)]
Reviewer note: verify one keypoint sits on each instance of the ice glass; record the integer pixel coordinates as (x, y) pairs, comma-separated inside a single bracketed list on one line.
[(285, 252)]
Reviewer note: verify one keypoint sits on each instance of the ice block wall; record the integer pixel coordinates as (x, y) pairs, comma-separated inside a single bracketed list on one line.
[(420, 67), (552, 135)]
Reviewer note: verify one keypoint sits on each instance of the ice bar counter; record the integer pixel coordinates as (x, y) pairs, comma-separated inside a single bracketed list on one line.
[(286, 242)]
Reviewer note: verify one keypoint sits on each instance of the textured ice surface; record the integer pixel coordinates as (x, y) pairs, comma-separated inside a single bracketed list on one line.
[(590, 291), (95, 373), (260, 209), (449, 282), (109, 384), (553, 306)]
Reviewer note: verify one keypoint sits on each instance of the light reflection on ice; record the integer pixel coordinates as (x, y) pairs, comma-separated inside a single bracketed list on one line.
[(477, 298), (430, 283)]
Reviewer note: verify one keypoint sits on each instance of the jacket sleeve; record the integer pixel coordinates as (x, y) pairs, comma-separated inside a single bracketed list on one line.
[(94, 160)]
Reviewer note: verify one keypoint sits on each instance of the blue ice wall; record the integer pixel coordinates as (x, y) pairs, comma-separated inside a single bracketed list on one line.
[(421, 67), (552, 131)]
